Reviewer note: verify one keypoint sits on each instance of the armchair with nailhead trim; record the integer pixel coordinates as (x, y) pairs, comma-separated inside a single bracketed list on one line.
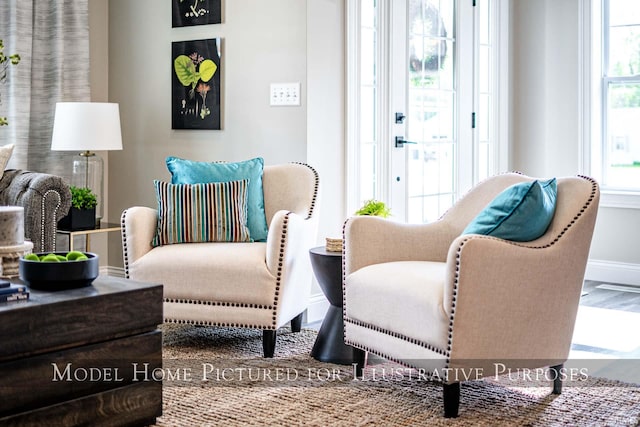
[(430, 297), (257, 285)]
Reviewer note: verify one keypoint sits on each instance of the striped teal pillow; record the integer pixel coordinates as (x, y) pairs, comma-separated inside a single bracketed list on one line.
[(207, 212)]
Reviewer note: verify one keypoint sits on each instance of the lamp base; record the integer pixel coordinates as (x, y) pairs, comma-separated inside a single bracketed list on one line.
[(88, 172)]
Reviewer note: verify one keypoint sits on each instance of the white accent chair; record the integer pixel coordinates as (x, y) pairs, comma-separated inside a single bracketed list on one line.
[(432, 299), (259, 285)]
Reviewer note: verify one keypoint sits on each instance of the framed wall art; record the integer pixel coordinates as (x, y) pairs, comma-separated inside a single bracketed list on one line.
[(196, 12), (195, 84)]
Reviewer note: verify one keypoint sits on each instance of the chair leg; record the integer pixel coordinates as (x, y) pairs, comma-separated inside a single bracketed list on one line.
[(557, 380), (451, 398), (268, 342), (296, 323), (360, 361)]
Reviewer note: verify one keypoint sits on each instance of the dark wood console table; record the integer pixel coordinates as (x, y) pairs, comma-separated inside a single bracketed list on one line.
[(82, 356)]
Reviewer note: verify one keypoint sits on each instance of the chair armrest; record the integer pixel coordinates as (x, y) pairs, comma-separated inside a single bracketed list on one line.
[(46, 199), (289, 234), (372, 240), (287, 257), (501, 291), (139, 225)]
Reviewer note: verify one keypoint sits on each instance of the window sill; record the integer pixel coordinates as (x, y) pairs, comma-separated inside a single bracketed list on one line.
[(619, 199)]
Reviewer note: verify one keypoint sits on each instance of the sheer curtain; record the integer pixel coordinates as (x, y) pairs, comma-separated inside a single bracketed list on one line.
[(52, 38)]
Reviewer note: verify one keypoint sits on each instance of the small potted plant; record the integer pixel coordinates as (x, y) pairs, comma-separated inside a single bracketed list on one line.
[(82, 215), (374, 208)]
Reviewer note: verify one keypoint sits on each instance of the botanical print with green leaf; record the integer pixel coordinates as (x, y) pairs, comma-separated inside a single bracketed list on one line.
[(196, 84)]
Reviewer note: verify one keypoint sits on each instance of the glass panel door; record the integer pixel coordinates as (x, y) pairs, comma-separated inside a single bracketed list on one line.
[(431, 109)]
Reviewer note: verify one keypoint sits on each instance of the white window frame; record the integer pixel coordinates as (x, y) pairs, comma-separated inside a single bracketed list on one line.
[(592, 116)]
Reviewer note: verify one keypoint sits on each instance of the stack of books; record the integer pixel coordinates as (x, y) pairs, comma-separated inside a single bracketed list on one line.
[(12, 292)]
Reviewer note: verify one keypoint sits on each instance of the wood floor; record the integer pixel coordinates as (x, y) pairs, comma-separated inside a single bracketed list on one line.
[(607, 331)]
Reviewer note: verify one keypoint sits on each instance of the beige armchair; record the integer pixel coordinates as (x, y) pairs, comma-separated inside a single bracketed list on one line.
[(445, 303), (259, 285)]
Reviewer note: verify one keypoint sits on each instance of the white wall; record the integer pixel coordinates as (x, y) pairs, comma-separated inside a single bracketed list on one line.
[(326, 121), (544, 69), (545, 122), (326, 109), (263, 42), (99, 81)]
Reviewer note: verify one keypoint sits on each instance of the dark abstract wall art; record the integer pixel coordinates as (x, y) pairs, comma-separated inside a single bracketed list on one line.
[(196, 12)]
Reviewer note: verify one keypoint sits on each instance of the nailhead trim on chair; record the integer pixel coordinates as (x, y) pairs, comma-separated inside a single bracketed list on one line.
[(315, 188), (125, 252), (344, 277), (219, 324), (55, 221), (439, 378), (283, 240), (281, 256), (218, 303), (397, 335)]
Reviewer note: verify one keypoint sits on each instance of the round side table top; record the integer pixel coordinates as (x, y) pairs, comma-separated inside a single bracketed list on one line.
[(322, 250)]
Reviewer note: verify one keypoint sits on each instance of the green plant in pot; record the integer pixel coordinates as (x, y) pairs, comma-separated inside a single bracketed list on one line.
[(82, 215), (374, 208)]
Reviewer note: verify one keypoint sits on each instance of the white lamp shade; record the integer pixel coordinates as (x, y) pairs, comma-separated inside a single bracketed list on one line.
[(86, 126)]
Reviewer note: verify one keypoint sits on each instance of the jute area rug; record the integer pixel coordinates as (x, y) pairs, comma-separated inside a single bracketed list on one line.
[(217, 377)]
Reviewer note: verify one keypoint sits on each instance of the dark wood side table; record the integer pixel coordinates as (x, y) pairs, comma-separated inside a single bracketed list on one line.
[(82, 356), (329, 345)]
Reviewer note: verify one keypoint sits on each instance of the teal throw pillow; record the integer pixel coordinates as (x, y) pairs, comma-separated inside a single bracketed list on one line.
[(521, 212), (196, 213), (193, 172)]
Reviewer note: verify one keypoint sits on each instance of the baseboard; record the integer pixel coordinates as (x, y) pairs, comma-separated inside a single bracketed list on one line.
[(112, 271), (318, 306), (613, 272)]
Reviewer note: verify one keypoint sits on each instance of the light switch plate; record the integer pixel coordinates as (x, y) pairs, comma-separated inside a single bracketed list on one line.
[(284, 94)]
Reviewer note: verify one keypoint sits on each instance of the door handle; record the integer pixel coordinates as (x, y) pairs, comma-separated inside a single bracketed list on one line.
[(400, 142)]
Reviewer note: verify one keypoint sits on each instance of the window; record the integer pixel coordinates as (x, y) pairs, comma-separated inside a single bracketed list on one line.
[(619, 155)]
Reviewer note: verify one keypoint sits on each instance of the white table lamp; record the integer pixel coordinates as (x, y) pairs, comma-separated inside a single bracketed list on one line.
[(86, 127)]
